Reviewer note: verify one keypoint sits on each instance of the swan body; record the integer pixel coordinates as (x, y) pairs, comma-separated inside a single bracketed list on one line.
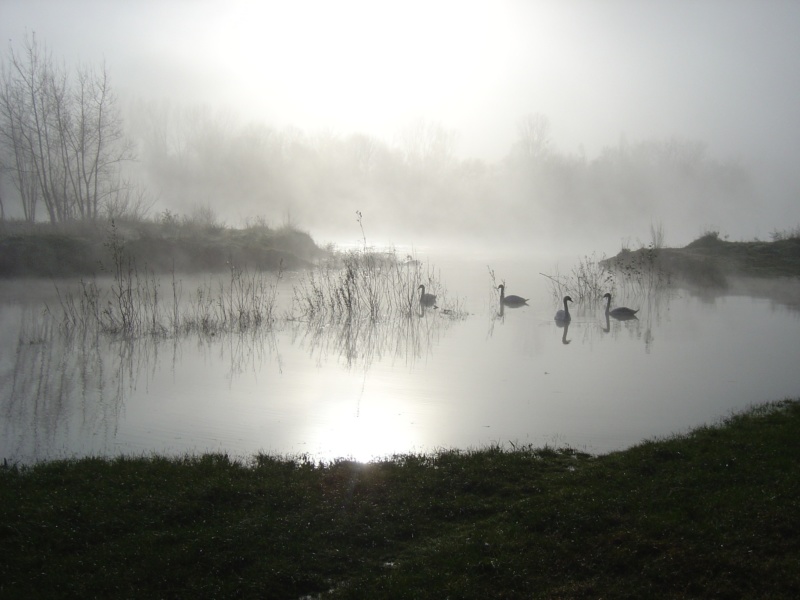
[(563, 315), (511, 300), (426, 299), (622, 312)]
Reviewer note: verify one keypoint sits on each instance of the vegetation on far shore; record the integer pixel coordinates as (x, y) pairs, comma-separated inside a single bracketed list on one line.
[(711, 261), (167, 244), (714, 513), (189, 245)]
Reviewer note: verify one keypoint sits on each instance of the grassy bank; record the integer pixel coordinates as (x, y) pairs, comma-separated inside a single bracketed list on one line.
[(710, 261), (82, 249), (714, 513)]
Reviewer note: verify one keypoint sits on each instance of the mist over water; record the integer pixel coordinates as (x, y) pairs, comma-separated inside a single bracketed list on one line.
[(435, 379)]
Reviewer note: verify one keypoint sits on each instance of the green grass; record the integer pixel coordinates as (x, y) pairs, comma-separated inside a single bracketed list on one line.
[(714, 513)]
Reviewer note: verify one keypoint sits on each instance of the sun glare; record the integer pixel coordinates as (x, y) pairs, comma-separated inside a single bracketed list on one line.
[(361, 430), (355, 64)]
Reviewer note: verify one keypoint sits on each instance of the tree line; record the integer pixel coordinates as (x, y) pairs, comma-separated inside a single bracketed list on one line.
[(69, 156)]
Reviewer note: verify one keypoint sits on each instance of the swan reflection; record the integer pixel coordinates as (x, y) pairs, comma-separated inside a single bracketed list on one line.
[(564, 339)]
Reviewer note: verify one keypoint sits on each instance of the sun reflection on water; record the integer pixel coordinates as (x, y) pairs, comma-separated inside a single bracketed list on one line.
[(362, 431)]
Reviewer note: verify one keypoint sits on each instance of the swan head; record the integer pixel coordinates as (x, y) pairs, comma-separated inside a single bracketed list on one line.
[(607, 295), (501, 287), (567, 299)]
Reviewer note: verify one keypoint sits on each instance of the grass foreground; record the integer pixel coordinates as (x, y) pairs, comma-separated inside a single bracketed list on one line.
[(714, 513)]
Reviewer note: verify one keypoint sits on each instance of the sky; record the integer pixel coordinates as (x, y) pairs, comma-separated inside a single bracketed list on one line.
[(725, 72)]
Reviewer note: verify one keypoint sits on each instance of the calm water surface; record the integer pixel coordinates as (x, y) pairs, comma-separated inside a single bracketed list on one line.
[(407, 386)]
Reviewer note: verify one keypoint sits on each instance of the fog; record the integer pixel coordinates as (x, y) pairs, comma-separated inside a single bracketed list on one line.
[(525, 126)]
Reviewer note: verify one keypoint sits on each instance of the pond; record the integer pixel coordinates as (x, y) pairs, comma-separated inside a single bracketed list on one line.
[(471, 378)]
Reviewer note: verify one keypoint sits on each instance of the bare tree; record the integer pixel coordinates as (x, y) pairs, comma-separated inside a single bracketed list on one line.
[(534, 137), (17, 158), (128, 200), (25, 123), (95, 142), (42, 92), (426, 144), (66, 140)]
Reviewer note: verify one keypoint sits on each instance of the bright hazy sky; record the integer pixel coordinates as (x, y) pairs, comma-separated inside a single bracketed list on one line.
[(725, 72)]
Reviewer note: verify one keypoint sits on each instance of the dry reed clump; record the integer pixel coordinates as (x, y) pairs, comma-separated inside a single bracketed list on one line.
[(367, 285), (363, 285), (586, 282), (134, 306), (641, 273), (631, 275)]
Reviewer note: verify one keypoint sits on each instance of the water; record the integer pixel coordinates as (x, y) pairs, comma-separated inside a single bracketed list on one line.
[(366, 392)]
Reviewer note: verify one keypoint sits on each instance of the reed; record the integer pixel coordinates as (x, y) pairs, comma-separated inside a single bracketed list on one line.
[(633, 276), (358, 285), (586, 282), (132, 305), (640, 273), (366, 284)]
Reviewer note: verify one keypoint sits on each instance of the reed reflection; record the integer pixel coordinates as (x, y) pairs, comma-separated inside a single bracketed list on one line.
[(364, 306), (361, 343), (61, 390)]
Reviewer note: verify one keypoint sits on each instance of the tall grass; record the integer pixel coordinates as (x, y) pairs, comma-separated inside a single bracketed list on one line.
[(634, 276), (640, 274), (133, 305), (358, 285), (366, 284), (793, 233), (586, 282)]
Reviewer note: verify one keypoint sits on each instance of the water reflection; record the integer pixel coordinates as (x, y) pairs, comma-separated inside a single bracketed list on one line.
[(565, 325), (501, 312), (430, 378), (607, 327), (59, 388), (359, 343), (65, 390)]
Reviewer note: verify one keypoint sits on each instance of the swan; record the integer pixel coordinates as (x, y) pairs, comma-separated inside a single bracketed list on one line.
[(512, 300), (426, 299), (563, 315), (622, 312)]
